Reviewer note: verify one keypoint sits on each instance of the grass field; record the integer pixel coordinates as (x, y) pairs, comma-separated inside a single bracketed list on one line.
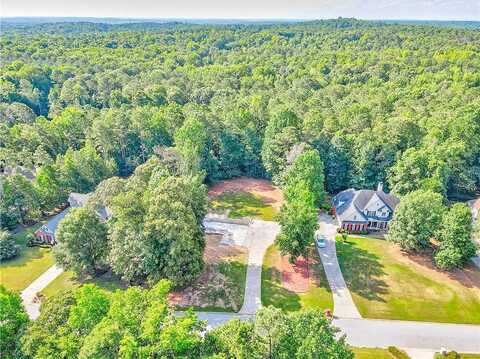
[(371, 353), (67, 280), (17, 273), (386, 283), (242, 204), (462, 356), (273, 293)]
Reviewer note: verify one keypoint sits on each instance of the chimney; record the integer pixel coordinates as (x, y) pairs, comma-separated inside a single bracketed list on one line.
[(380, 187)]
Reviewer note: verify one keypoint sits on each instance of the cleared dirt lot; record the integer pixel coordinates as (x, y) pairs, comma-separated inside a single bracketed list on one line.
[(264, 189), (221, 285)]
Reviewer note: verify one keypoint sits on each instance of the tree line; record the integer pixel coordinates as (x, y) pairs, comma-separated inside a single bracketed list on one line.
[(380, 103), (89, 322)]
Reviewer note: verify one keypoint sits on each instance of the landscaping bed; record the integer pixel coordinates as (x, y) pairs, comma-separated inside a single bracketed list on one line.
[(221, 286), (390, 284), (274, 286)]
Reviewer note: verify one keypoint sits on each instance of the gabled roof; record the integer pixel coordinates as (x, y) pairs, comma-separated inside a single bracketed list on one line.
[(350, 204), (52, 224), (78, 199)]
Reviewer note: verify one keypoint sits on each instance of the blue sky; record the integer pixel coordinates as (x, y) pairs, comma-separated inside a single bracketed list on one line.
[(248, 9)]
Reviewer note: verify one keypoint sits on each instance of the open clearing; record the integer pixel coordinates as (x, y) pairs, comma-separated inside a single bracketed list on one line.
[(221, 285), (17, 273), (274, 292), (387, 283), (246, 197)]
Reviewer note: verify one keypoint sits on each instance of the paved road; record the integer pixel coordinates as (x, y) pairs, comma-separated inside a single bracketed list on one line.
[(407, 334), (417, 337), (261, 234), (29, 293), (476, 261), (343, 305)]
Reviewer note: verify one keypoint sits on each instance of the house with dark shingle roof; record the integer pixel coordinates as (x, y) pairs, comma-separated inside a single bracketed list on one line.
[(47, 231), (364, 210)]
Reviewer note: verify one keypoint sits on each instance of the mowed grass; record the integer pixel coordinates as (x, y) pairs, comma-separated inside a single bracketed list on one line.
[(462, 356), (241, 204), (17, 273), (67, 280), (371, 353), (319, 295), (385, 283)]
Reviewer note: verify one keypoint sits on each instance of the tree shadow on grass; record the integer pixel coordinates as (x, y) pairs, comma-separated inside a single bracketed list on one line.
[(468, 276), (362, 271), (273, 293)]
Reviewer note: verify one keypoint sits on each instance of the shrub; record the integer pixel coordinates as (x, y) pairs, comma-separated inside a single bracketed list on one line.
[(8, 247), (397, 353), (453, 355)]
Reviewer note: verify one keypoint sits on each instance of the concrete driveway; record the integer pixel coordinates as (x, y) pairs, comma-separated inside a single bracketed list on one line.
[(261, 235), (343, 305)]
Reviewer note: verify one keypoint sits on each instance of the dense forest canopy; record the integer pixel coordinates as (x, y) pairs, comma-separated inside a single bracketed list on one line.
[(81, 102)]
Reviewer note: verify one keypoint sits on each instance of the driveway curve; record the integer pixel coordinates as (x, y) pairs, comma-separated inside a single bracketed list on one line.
[(343, 305)]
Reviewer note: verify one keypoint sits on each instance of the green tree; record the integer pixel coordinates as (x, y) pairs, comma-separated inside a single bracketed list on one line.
[(416, 220), (18, 201), (307, 169), (274, 334), (8, 247), (190, 140), (13, 323), (140, 324), (234, 339), (455, 236), (175, 232), (49, 187), (41, 335), (81, 242), (298, 219)]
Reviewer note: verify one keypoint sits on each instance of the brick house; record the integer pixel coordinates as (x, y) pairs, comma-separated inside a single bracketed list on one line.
[(75, 200)]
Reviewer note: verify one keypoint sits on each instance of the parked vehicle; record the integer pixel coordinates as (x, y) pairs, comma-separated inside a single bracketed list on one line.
[(320, 240)]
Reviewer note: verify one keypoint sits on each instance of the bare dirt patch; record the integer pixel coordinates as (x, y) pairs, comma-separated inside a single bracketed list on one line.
[(222, 282), (469, 276), (264, 189), (295, 277)]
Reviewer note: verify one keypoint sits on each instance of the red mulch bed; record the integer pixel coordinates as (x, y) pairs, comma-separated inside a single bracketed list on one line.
[(270, 194), (296, 277)]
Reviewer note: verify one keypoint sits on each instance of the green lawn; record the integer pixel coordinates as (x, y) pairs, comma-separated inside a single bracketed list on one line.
[(385, 283), (67, 280), (273, 293), (371, 353), (242, 204), (17, 273), (462, 356)]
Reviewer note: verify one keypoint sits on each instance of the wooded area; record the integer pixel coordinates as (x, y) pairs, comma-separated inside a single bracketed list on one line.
[(380, 103)]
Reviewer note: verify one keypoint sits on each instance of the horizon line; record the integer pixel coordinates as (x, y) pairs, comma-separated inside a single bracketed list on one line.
[(228, 18)]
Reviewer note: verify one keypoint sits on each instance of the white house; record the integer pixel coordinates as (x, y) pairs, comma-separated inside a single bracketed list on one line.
[(364, 210)]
